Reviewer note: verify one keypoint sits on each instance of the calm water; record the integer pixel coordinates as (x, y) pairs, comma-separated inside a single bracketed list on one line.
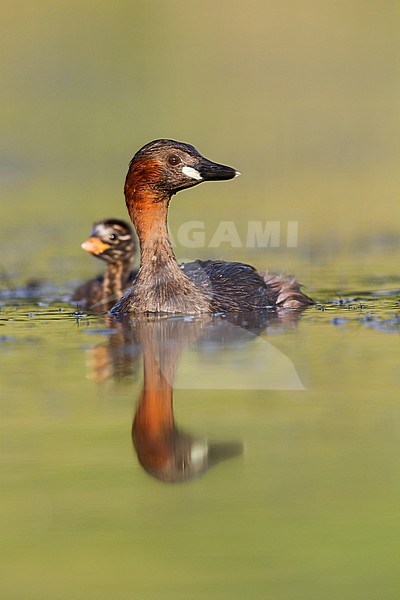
[(285, 433), (192, 458)]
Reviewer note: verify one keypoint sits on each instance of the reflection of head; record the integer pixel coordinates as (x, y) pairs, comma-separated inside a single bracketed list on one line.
[(177, 456)]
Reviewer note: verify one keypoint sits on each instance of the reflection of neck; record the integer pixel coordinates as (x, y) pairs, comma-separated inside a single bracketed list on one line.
[(161, 448), (154, 414), (162, 342), (153, 429), (154, 426)]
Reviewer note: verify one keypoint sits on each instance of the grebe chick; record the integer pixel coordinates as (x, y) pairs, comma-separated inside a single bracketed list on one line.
[(111, 240), (157, 172)]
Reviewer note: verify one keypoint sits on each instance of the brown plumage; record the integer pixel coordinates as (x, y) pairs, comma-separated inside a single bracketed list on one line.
[(156, 173), (286, 291), (112, 241)]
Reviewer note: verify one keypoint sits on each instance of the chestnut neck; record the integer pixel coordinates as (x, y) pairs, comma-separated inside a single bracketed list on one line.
[(148, 208)]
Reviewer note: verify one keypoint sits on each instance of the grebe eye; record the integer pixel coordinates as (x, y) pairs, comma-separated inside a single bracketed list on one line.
[(173, 160), (111, 236)]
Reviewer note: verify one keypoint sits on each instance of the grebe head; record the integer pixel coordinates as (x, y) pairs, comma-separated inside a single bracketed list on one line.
[(111, 240), (169, 166)]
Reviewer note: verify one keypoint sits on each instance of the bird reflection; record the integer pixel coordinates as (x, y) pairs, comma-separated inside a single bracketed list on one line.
[(164, 450)]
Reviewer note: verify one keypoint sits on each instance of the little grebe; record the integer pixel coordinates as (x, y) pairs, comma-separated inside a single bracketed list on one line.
[(113, 241), (156, 172)]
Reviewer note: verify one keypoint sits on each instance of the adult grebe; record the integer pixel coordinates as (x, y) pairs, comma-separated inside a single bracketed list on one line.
[(159, 170)]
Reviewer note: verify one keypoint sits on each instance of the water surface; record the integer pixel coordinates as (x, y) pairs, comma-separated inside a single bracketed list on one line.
[(191, 458)]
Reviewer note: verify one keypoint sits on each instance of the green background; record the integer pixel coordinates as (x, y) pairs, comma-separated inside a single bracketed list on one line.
[(303, 98)]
